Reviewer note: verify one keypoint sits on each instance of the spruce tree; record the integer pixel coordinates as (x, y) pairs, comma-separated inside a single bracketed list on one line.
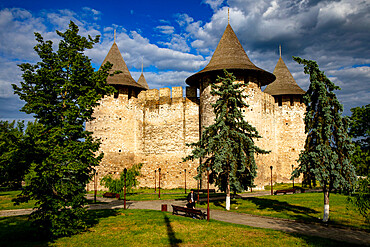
[(360, 131), (327, 153), (61, 91), (226, 148)]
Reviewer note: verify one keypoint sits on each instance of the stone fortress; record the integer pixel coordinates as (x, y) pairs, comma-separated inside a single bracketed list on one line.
[(150, 126)]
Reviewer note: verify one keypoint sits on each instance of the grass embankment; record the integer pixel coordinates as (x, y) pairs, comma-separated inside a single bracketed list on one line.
[(307, 207), (155, 228)]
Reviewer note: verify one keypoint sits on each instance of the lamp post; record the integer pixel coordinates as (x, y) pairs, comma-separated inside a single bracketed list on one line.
[(208, 193), (159, 187), (124, 192), (293, 175), (198, 190), (155, 181), (272, 190), (185, 180), (95, 185)]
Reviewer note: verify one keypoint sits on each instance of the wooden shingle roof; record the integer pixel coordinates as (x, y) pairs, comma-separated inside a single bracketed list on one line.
[(284, 83), (142, 81), (114, 57), (230, 55)]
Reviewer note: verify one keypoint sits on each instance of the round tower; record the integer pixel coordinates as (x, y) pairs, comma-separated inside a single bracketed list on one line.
[(231, 56)]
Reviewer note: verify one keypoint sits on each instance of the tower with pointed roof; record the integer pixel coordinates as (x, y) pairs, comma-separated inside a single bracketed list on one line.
[(121, 77), (284, 88)]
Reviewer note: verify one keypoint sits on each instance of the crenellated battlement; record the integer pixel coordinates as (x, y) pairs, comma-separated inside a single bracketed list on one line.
[(165, 95)]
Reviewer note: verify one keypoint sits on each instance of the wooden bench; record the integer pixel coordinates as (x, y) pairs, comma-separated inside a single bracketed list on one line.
[(111, 195), (285, 191), (205, 191), (189, 212)]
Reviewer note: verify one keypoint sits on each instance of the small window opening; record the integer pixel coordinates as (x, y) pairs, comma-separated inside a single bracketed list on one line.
[(116, 94), (291, 100)]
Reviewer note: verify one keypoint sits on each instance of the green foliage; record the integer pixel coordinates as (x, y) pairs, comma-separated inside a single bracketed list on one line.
[(12, 159), (361, 199), (360, 131), (117, 185), (227, 146), (328, 147), (61, 92)]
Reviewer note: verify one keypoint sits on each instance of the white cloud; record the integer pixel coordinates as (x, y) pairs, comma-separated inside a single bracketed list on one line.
[(135, 48), (177, 43), (166, 29), (214, 4)]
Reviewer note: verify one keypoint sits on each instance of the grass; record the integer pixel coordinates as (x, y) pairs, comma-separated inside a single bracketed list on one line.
[(6, 200), (155, 228), (306, 207)]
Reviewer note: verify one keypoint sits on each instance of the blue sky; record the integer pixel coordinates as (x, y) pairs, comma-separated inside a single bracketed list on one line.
[(175, 39)]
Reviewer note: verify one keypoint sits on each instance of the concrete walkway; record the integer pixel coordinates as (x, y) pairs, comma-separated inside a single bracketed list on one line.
[(291, 226)]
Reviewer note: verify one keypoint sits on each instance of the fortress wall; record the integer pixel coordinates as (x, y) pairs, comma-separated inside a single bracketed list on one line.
[(291, 136), (163, 123), (172, 170), (169, 123), (154, 127), (191, 118), (261, 114), (151, 129)]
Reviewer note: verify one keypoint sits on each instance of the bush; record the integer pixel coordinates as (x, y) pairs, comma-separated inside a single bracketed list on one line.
[(117, 185)]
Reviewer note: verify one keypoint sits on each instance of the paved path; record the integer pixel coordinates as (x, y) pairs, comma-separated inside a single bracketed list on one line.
[(345, 235)]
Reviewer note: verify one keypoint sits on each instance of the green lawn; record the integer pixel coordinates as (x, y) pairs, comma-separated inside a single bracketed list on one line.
[(6, 200), (155, 228), (306, 207)]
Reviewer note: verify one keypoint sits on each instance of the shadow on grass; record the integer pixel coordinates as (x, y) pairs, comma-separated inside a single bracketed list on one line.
[(171, 234), (293, 211), (18, 230)]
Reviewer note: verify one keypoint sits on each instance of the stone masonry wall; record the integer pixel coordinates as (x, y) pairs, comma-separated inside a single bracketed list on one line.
[(154, 127)]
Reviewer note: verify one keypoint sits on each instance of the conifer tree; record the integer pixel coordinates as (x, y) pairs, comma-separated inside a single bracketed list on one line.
[(61, 91), (227, 147), (327, 152), (360, 130)]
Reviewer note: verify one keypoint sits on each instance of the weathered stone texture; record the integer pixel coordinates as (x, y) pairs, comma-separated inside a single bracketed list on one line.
[(154, 127)]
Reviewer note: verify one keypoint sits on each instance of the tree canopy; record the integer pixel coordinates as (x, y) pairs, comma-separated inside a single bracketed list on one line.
[(360, 131), (328, 147), (227, 147), (61, 91), (12, 160)]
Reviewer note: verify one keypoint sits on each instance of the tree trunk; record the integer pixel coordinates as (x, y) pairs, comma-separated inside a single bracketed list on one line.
[(228, 194), (326, 205)]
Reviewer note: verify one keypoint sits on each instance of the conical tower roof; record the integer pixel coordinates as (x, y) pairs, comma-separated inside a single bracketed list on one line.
[(284, 83), (114, 57), (230, 55), (142, 81)]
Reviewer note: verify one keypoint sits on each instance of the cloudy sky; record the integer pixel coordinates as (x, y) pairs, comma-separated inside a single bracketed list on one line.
[(175, 39)]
